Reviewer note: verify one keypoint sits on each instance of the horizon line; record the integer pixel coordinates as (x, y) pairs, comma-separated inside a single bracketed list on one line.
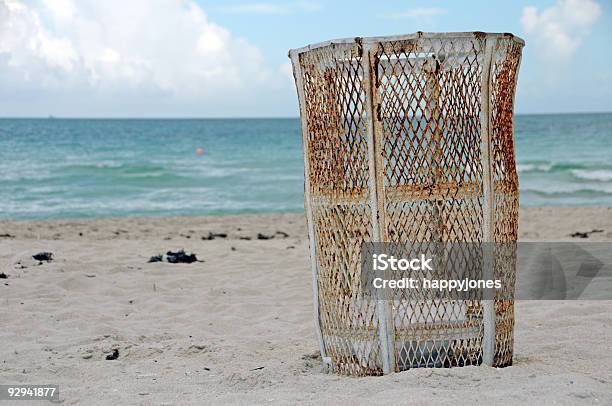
[(53, 117)]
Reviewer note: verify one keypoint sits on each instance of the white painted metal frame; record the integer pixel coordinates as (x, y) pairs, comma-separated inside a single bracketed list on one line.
[(488, 306), (297, 73), (417, 35), (377, 199)]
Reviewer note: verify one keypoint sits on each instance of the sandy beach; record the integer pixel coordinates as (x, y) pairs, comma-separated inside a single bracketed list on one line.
[(237, 327), (159, 161)]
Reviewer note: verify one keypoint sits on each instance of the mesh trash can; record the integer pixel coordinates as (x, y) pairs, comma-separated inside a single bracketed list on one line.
[(408, 139)]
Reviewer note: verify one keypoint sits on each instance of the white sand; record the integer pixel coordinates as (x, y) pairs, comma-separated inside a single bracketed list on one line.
[(196, 333)]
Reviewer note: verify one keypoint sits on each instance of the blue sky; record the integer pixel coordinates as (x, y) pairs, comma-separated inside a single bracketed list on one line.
[(171, 58)]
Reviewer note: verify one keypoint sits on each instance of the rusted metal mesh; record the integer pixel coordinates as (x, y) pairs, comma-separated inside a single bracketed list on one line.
[(426, 112), (506, 59), (338, 163)]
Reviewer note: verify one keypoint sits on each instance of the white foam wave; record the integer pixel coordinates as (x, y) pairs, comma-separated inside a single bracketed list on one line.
[(598, 175), (533, 167), (568, 188)]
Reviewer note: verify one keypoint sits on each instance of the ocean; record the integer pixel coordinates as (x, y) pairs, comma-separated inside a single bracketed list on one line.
[(89, 168)]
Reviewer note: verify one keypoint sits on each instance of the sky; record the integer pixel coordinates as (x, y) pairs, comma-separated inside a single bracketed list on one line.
[(204, 58)]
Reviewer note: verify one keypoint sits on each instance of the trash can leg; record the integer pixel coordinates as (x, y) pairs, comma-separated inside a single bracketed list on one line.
[(488, 226)]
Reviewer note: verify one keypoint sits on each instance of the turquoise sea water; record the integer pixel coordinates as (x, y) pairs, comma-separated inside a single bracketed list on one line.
[(68, 168)]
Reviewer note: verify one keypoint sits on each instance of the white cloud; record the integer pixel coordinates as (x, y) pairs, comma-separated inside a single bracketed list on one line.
[(558, 31), (272, 8), (419, 12), (164, 54), (61, 9)]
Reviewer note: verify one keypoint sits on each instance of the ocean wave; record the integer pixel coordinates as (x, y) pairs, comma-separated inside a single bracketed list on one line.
[(533, 167), (105, 168), (601, 175), (193, 201), (570, 190), (17, 175), (140, 175), (549, 166)]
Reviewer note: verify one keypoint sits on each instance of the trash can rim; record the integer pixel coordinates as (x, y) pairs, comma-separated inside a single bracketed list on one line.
[(404, 37)]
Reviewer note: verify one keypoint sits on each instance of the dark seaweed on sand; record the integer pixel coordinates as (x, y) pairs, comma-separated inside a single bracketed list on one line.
[(43, 256), (579, 234), (212, 236), (114, 355), (156, 258), (178, 257), (281, 234)]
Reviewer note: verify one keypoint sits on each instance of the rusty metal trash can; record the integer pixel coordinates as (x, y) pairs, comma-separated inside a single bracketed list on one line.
[(407, 139)]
